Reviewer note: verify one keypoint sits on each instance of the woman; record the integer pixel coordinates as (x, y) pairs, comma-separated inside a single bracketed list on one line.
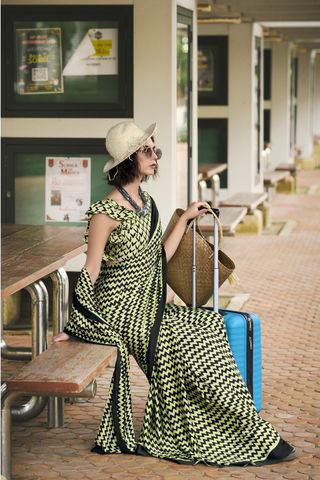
[(198, 407)]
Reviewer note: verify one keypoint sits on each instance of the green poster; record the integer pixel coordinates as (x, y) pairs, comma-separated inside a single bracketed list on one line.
[(39, 61)]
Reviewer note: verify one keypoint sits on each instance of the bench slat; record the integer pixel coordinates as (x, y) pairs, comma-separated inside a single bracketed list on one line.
[(248, 200), (294, 168), (273, 177), (229, 219), (207, 170), (65, 367)]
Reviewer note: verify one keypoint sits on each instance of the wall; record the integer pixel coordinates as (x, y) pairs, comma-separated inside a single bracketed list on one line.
[(280, 103), (304, 135), (316, 118), (240, 111), (154, 93)]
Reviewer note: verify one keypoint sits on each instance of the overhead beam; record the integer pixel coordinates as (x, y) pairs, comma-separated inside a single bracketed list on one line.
[(271, 3), (288, 10)]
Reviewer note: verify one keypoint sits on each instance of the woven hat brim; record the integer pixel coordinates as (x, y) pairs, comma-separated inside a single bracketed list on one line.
[(147, 134)]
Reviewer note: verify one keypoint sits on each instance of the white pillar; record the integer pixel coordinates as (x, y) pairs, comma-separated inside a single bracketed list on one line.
[(241, 143), (155, 90), (280, 103), (316, 117), (304, 134)]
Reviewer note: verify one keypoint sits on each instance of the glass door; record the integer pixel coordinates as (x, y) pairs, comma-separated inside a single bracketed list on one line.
[(184, 111)]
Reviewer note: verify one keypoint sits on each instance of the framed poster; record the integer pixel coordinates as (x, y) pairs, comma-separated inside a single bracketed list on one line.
[(51, 181), (71, 61), (212, 70), (39, 61), (67, 189)]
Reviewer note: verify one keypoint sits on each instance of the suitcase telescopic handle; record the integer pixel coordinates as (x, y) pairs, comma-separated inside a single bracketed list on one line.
[(215, 262)]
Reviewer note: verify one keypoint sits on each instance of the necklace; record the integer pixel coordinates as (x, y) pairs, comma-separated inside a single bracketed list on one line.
[(125, 194)]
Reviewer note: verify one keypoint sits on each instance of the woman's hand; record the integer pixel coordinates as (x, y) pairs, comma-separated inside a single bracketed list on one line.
[(193, 210), (61, 337), (172, 242)]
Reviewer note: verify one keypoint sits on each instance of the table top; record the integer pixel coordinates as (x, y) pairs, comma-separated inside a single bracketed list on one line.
[(294, 168), (274, 176), (248, 200), (229, 219), (206, 170), (30, 252)]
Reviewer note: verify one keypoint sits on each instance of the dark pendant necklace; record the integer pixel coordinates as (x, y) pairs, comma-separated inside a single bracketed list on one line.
[(125, 194)]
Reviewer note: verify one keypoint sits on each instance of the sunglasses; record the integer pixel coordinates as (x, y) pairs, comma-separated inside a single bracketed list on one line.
[(148, 151)]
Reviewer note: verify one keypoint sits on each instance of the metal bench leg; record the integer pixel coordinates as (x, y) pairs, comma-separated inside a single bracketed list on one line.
[(13, 353), (60, 318), (7, 398), (39, 319)]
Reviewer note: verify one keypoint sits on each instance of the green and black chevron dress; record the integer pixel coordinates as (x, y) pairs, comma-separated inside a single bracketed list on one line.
[(198, 407)]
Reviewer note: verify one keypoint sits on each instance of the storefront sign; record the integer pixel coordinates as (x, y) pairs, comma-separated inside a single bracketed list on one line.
[(67, 188), (39, 61)]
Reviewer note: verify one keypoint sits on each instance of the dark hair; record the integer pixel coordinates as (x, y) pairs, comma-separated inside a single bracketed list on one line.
[(127, 171)]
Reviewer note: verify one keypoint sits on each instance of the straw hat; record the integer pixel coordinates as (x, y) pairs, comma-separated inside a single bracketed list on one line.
[(124, 139)]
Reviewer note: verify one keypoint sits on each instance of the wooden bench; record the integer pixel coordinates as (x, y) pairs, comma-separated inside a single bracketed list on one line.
[(229, 218), (254, 220), (207, 171), (271, 179), (294, 169), (67, 369), (248, 200)]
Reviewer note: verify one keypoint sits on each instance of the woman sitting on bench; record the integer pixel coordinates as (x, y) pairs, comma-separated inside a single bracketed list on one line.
[(198, 407)]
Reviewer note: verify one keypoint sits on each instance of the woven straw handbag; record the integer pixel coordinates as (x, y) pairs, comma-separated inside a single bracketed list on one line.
[(179, 269)]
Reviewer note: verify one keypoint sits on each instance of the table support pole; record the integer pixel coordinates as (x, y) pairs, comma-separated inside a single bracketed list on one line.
[(60, 283), (7, 399), (13, 353), (39, 319)]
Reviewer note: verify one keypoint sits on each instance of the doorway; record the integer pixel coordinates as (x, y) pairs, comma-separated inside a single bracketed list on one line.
[(184, 109)]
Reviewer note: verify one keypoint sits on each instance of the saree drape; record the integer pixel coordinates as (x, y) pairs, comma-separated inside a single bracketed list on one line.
[(198, 407)]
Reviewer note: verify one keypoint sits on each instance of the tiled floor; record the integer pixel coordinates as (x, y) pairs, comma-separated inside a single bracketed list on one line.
[(282, 274)]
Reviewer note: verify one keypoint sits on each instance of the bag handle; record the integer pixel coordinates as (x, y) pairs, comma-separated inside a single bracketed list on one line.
[(196, 221)]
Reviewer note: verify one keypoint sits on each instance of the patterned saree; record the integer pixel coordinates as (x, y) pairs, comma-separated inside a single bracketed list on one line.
[(198, 407)]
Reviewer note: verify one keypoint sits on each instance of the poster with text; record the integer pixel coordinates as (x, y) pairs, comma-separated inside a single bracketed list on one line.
[(39, 61), (205, 70), (97, 54), (68, 189)]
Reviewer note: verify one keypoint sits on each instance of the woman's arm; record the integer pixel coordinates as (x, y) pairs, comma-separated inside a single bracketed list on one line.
[(101, 226), (172, 242)]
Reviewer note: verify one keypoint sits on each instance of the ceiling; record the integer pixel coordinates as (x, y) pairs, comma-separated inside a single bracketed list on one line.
[(294, 20)]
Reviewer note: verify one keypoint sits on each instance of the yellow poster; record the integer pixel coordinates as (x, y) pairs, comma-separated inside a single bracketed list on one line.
[(97, 54)]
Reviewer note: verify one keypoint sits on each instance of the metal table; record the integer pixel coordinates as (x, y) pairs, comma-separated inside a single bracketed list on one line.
[(29, 253), (210, 171)]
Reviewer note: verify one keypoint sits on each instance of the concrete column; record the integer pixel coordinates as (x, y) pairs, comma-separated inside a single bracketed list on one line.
[(280, 103), (241, 142), (316, 117), (155, 91), (304, 134)]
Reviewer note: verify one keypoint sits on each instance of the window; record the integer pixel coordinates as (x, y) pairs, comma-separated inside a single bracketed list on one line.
[(213, 70), (67, 61), (27, 180), (213, 144)]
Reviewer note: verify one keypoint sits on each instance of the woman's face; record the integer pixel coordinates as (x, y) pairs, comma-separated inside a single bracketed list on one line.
[(147, 160)]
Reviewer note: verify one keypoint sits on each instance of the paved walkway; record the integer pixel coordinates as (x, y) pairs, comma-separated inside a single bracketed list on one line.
[(282, 274)]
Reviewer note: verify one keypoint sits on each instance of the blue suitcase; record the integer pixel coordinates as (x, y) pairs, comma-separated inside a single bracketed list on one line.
[(243, 330)]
